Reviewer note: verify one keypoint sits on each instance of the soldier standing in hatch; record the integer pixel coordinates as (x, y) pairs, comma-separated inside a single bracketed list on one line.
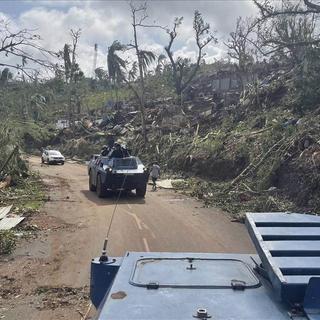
[(104, 151), (155, 175)]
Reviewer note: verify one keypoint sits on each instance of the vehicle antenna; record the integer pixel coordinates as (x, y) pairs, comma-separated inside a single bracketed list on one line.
[(104, 256)]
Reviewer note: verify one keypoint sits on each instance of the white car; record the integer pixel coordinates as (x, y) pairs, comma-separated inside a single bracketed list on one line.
[(52, 156)]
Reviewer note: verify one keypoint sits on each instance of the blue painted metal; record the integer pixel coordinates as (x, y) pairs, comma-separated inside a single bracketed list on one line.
[(311, 303), (176, 273), (158, 286), (289, 248), (102, 276), (178, 294)]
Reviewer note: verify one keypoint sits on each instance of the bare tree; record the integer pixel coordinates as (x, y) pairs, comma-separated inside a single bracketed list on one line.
[(24, 45), (69, 53), (240, 46), (75, 35), (288, 31), (72, 74), (267, 9), (182, 74), (144, 58)]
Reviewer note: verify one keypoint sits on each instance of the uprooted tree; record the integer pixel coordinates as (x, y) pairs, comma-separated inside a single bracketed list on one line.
[(182, 70)]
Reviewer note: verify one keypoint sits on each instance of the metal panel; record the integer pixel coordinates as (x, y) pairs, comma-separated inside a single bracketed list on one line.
[(126, 301), (4, 211), (311, 303), (9, 223), (294, 248), (306, 262), (101, 277), (289, 248), (299, 279), (281, 219), (290, 233), (190, 273)]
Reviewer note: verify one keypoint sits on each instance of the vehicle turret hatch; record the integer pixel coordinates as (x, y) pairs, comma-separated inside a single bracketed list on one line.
[(193, 272)]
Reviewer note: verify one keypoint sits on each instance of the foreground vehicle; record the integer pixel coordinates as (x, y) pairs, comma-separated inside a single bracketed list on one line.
[(117, 174), (282, 282), (52, 157)]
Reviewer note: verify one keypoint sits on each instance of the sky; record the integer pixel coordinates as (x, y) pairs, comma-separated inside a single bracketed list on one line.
[(102, 22)]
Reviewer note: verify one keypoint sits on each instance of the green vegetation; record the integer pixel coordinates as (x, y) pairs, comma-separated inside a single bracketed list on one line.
[(7, 242), (97, 100)]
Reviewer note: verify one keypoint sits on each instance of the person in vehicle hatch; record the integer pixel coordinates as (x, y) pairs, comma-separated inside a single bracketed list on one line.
[(155, 175), (117, 151), (104, 151)]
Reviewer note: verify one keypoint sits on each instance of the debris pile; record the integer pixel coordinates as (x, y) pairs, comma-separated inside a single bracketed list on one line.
[(248, 143), (7, 220)]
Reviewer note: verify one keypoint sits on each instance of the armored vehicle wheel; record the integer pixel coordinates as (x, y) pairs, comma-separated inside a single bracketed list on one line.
[(101, 191), (141, 192), (92, 187)]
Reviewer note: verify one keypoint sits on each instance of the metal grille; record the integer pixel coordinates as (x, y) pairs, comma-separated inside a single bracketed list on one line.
[(289, 248)]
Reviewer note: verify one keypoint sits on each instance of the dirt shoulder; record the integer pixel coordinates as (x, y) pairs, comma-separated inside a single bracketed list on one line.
[(47, 277)]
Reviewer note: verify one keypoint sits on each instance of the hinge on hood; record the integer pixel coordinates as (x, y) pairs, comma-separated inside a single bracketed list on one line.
[(238, 284), (153, 285)]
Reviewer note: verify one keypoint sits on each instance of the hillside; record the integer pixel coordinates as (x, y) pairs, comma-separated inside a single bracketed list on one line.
[(244, 151)]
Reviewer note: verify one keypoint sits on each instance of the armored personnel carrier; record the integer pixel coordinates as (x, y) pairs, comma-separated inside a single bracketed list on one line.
[(110, 173)]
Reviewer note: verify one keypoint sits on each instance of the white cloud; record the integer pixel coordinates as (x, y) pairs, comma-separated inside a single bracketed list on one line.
[(102, 22)]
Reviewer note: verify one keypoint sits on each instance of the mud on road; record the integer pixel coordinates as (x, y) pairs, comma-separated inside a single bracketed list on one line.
[(47, 277)]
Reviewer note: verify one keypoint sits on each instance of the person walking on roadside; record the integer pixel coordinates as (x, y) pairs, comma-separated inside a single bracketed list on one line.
[(155, 175)]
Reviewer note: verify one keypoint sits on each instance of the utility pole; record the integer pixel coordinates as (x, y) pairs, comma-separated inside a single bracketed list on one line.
[(94, 76)]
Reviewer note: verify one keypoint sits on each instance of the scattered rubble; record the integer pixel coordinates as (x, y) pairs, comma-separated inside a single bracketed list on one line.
[(61, 297), (8, 287)]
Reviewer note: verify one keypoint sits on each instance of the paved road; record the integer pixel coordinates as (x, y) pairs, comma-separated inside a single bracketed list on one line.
[(76, 224)]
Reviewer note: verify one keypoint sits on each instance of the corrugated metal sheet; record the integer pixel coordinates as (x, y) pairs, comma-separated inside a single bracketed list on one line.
[(4, 211), (9, 223)]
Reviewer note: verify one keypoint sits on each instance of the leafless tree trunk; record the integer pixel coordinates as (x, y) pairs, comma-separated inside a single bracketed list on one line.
[(240, 47), (75, 38), (135, 24), (181, 74)]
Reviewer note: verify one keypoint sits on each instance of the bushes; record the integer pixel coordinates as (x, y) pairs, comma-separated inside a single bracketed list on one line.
[(306, 91), (7, 242)]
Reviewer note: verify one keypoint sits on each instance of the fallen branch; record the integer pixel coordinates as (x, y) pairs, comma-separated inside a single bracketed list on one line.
[(253, 165), (9, 158), (259, 131), (85, 317), (250, 190)]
